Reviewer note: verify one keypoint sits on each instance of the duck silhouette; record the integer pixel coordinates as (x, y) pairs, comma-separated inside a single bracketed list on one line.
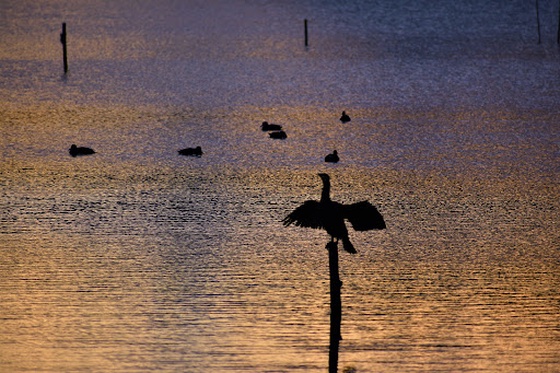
[(278, 135), (194, 152), (333, 157), (345, 118), (80, 150), (265, 126)]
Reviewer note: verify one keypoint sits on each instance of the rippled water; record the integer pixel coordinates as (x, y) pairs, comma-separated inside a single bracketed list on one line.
[(137, 259)]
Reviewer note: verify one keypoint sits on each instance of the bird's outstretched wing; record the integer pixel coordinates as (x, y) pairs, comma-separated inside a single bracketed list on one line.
[(307, 215), (363, 216)]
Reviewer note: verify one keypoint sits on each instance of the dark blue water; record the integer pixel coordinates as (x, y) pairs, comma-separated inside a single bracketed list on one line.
[(137, 259)]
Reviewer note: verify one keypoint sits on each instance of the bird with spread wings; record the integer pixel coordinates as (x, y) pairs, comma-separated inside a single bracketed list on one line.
[(330, 215)]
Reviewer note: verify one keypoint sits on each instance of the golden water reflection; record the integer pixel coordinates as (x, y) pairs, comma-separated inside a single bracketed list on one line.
[(190, 267)]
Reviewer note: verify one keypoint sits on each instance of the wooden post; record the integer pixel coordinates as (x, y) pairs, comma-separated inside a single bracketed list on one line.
[(336, 307), (64, 51), (538, 20), (305, 29), (558, 36)]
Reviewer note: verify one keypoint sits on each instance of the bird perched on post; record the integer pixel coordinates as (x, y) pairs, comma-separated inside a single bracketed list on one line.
[(330, 215)]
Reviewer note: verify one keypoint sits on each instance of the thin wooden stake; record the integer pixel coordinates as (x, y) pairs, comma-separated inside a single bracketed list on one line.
[(64, 51), (538, 20), (558, 37), (305, 27)]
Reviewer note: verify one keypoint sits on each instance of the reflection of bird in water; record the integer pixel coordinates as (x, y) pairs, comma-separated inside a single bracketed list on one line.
[(278, 135), (80, 150), (265, 126), (333, 157), (330, 215), (345, 117), (196, 152)]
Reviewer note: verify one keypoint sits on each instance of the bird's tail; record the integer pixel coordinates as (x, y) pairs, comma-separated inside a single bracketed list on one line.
[(348, 246)]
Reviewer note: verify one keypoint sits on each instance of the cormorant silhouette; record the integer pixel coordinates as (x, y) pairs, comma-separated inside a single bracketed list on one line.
[(196, 152), (80, 150), (329, 215), (265, 126), (332, 158), (278, 135)]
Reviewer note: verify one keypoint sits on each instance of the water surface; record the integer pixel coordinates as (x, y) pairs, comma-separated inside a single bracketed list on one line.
[(137, 259)]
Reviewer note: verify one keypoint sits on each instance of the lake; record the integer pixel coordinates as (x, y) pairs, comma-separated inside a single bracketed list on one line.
[(137, 259)]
